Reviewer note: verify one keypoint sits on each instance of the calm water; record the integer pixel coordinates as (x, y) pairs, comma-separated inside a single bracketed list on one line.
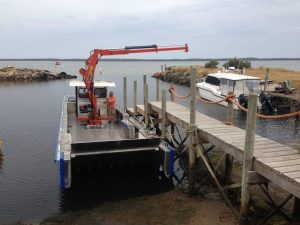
[(29, 121)]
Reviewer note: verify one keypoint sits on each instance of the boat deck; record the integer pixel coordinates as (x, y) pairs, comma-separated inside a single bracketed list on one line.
[(110, 132), (112, 138), (278, 163)]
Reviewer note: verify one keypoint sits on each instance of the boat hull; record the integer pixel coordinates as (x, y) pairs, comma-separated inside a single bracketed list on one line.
[(213, 96)]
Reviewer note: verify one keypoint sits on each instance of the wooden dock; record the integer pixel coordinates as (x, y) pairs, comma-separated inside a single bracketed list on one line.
[(263, 160), (276, 162)]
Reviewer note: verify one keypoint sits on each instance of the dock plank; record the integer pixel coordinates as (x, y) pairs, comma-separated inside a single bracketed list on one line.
[(290, 162), (293, 175), (277, 159)]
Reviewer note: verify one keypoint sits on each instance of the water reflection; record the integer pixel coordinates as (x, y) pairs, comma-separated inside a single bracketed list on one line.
[(93, 188)]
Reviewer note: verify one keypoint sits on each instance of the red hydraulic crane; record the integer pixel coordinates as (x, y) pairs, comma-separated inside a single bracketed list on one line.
[(88, 74)]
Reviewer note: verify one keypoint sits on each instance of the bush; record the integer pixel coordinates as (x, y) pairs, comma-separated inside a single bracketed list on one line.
[(237, 63), (211, 64)]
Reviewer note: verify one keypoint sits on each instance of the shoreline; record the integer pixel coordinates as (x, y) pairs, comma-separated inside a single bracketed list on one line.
[(14, 74)]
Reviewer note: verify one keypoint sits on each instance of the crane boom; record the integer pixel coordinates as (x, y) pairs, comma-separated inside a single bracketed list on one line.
[(88, 73)]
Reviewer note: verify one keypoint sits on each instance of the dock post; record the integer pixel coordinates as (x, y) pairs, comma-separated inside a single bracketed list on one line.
[(266, 79), (163, 113), (244, 71), (172, 127), (298, 102), (230, 110), (146, 105), (162, 68), (144, 83), (172, 97), (248, 156), (165, 67), (192, 136), (135, 97), (228, 157), (125, 93), (157, 89)]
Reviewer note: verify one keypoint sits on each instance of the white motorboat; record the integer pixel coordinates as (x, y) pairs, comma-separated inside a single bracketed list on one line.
[(216, 87)]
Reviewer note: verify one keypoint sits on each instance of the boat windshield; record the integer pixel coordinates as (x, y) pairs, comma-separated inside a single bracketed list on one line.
[(251, 86)]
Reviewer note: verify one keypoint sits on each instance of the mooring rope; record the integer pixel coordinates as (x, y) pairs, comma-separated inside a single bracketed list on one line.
[(231, 98), (172, 91)]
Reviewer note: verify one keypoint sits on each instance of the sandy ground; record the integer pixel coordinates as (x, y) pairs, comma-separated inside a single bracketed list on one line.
[(173, 207)]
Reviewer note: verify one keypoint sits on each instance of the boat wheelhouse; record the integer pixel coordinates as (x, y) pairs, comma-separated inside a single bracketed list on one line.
[(216, 86)]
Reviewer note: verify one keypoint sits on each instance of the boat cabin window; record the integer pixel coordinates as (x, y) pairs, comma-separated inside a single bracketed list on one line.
[(99, 93), (239, 87), (212, 80), (227, 86), (82, 93), (251, 86)]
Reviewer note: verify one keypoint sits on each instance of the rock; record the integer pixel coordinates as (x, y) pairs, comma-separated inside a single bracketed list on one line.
[(22, 74), (178, 75)]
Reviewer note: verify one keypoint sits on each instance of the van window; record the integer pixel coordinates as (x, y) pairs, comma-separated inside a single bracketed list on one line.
[(212, 80)]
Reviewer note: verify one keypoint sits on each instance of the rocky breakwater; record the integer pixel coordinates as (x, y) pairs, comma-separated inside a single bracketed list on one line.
[(181, 75), (24, 74)]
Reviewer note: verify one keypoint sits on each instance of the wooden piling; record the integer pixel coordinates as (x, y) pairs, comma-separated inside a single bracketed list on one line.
[(230, 110), (172, 97), (172, 127), (157, 90), (162, 68), (228, 157), (193, 97), (266, 79), (244, 70), (192, 133), (144, 83), (146, 106), (165, 67), (248, 156), (125, 93), (298, 102), (135, 97), (163, 113)]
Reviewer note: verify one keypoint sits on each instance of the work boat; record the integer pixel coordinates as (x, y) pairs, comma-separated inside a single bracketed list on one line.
[(89, 138), (216, 87), (114, 143)]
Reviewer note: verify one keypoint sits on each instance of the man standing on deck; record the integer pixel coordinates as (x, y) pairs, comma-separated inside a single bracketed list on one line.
[(111, 105)]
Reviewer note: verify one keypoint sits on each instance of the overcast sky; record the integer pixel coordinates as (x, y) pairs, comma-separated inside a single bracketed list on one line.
[(211, 28)]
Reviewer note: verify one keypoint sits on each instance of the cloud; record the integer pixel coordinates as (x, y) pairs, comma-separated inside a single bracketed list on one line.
[(214, 28)]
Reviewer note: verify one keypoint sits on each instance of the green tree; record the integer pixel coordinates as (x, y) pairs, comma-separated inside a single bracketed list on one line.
[(237, 63), (211, 64)]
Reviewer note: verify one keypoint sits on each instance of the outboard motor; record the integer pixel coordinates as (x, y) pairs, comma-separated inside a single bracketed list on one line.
[(266, 104), (243, 100)]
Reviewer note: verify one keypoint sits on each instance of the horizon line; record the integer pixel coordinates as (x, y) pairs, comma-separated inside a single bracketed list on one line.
[(142, 59)]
